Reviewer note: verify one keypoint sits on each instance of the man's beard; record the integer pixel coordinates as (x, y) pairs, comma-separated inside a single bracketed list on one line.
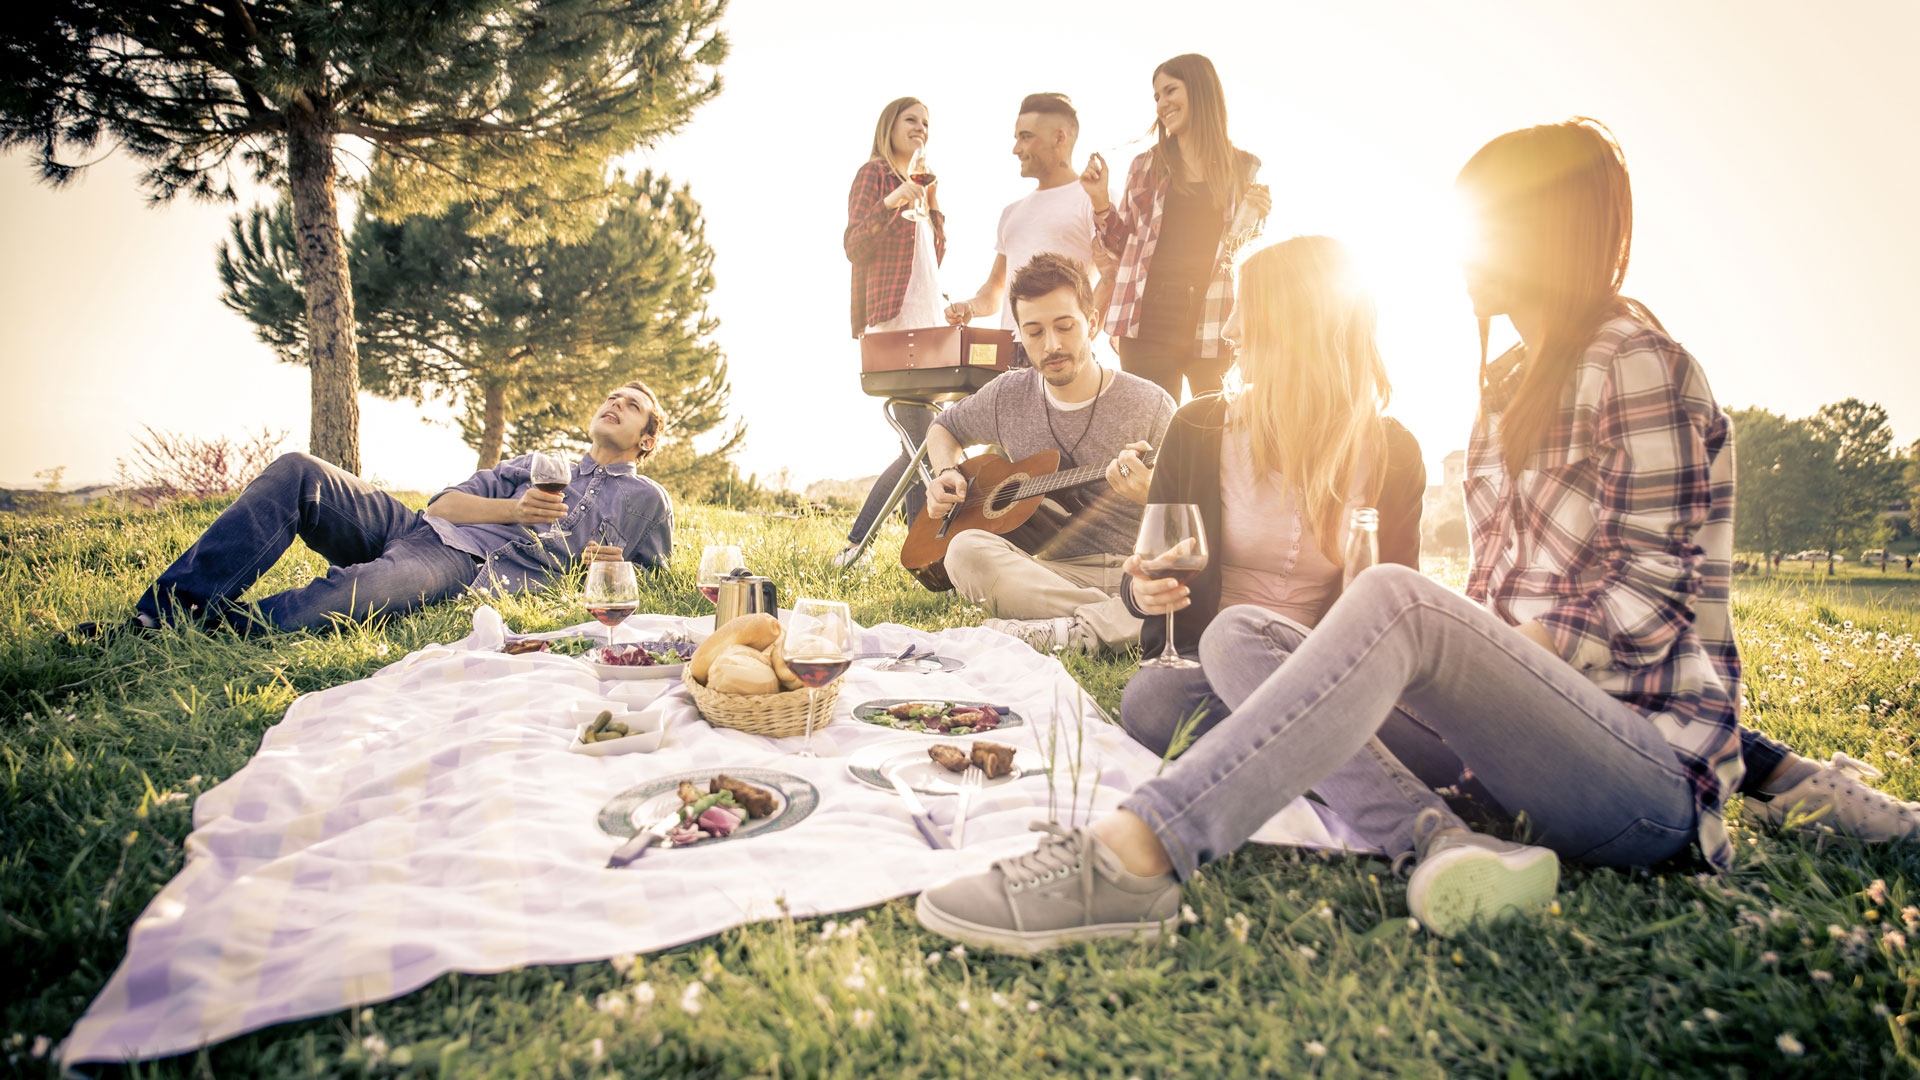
[(1067, 376)]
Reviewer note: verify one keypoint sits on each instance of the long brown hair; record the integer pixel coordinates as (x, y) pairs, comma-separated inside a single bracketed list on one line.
[(1310, 384), (1557, 207), (883, 131), (1206, 130)]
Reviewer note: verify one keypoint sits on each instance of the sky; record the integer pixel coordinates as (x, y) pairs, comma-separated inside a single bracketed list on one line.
[(1769, 142)]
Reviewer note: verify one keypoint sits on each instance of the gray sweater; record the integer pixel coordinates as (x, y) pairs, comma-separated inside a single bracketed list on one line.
[(1013, 410)]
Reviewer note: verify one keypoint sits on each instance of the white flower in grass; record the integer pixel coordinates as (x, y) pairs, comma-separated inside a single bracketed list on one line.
[(999, 999), (643, 995), (1880, 1010), (965, 1005), (1316, 1048), (690, 998), (597, 1050), (375, 1046), (827, 928), (1381, 1031), (855, 981), (40, 1047), (863, 1018), (958, 952), (1789, 1045), (1894, 939), (622, 963), (1033, 1006), (366, 1016), (1309, 953), (933, 958), (613, 1004), (1824, 978), (1711, 1016), (1877, 892), (1911, 916), (1769, 958), (1238, 924), (171, 797), (382, 649), (1187, 916)]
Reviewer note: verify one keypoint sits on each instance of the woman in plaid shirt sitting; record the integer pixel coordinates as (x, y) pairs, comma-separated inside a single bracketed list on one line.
[(1589, 678)]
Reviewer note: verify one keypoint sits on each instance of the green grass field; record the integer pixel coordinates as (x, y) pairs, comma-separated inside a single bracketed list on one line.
[(1289, 964)]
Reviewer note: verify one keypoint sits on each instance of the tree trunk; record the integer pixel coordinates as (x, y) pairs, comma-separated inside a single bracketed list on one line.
[(493, 428), (333, 355)]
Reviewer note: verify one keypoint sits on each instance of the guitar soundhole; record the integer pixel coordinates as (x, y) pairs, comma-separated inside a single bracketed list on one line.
[(1004, 496)]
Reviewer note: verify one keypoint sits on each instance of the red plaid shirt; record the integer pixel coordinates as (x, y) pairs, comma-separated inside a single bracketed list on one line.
[(1617, 537), (879, 243), (1130, 230)]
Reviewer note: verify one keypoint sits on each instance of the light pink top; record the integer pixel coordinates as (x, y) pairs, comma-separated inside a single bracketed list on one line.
[(1267, 557)]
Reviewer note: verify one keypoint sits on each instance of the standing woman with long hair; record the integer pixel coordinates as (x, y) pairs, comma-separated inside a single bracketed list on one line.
[(896, 237), (1188, 204), (1589, 677)]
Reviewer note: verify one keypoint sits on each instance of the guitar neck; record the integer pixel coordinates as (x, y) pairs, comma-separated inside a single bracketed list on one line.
[(1085, 474)]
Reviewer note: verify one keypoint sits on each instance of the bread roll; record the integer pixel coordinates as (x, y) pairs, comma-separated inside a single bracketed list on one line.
[(742, 670), (753, 631), (777, 658)]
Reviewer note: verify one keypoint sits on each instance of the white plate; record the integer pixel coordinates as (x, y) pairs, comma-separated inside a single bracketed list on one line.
[(629, 671), (872, 765)]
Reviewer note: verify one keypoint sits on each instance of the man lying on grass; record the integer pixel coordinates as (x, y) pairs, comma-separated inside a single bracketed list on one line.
[(491, 531)]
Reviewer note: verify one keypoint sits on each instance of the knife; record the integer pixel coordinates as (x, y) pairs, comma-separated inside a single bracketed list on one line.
[(935, 838), (656, 833)]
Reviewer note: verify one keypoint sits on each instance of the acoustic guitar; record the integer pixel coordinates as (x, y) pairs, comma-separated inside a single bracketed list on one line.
[(1008, 498)]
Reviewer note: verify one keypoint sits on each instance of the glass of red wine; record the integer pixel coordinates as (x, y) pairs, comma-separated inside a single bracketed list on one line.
[(817, 650), (918, 172), (611, 593), (1172, 544), (716, 562), (551, 474)]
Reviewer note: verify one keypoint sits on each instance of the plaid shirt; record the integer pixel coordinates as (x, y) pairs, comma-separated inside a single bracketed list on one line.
[(1130, 229), (879, 243), (1616, 539)]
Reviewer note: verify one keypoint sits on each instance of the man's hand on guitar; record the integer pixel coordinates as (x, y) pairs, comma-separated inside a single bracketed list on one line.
[(948, 491), (1129, 475), (1154, 596)]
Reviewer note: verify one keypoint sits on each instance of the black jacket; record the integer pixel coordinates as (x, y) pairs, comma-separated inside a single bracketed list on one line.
[(1187, 470)]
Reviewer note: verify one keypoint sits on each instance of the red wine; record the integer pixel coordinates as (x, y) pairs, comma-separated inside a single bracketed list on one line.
[(818, 671), (611, 614), (922, 178), (552, 488), (1179, 570), (711, 592)]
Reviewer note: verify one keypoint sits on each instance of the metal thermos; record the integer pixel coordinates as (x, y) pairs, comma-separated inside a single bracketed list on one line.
[(745, 594)]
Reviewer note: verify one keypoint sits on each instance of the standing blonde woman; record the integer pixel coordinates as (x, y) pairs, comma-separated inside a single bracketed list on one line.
[(896, 237), (1188, 203)]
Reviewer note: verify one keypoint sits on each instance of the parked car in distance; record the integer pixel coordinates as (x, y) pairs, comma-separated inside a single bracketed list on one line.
[(1807, 556), (1872, 555)]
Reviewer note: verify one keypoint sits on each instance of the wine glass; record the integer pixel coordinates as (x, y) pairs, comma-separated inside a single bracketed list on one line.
[(817, 650), (918, 172), (1172, 544), (551, 474), (1363, 543), (611, 593), (716, 562)]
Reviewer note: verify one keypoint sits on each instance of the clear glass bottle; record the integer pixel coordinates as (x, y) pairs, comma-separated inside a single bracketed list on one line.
[(1363, 543)]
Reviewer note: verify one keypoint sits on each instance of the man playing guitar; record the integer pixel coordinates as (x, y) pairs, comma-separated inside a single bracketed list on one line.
[(1065, 594)]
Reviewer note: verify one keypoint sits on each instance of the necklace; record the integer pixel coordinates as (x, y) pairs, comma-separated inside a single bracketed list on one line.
[(1046, 403)]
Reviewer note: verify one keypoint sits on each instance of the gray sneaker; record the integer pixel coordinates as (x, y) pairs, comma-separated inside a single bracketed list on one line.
[(1465, 876), (1045, 635), (1071, 888), (1834, 797)]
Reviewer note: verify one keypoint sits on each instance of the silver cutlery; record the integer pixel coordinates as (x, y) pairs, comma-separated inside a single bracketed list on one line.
[(935, 838), (655, 834), (970, 782)]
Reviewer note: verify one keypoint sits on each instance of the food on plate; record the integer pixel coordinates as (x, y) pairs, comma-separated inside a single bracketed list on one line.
[(777, 659), (604, 728), (518, 648), (939, 717), (994, 760), (743, 670), (639, 654), (755, 632), (757, 800), (950, 758)]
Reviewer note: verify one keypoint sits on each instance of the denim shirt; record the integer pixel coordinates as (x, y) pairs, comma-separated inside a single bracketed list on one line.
[(607, 504)]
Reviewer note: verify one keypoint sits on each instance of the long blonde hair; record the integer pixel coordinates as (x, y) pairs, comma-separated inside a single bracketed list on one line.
[(883, 131), (1206, 130), (1559, 207), (1310, 384)]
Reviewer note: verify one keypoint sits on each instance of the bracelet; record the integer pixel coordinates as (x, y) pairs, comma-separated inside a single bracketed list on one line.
[(948, 469)]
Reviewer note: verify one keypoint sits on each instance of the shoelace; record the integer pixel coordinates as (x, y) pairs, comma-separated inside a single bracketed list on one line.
[(1858, 768), (1426, 826), (1061, 851)]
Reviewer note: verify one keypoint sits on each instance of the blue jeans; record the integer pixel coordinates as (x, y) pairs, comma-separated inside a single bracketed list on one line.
[(1595, 780), (385, 557), (916, 420)]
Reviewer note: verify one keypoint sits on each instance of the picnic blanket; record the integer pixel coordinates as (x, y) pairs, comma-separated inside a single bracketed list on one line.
[(429, 819)]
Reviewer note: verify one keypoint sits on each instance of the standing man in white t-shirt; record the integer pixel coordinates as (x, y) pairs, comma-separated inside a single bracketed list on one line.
[(1057, 216)]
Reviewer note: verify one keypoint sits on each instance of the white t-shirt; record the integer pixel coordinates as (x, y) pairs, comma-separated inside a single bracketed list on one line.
[(1056, 219)]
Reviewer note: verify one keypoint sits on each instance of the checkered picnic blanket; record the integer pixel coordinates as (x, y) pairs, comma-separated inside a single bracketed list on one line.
[(429, 819)]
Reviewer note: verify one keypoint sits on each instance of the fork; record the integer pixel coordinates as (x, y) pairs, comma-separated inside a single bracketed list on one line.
[(970, 782), (895, 661)]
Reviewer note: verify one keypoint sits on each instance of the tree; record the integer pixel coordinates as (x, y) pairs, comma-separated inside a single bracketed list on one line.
[(512, 105), (1780, 464), (1862, 475), (528, 336)]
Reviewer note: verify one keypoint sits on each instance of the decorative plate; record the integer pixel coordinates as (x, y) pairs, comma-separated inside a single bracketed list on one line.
[(637, 807), (874, 765), (596, 658), (875, 713)]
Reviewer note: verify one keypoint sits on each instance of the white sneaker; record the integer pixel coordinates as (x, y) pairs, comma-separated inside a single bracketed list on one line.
[(1835, 798), (1045, 635), (844, 557), (1464, 877)]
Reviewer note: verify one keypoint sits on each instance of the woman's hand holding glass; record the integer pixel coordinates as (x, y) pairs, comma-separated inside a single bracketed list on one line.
[(1155, 596)]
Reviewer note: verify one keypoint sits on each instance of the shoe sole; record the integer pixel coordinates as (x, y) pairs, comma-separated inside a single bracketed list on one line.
[(1027, 943), (1448, 892), (1821, 814)]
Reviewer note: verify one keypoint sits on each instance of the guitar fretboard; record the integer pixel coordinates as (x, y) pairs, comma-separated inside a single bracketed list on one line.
[(1085, 474)]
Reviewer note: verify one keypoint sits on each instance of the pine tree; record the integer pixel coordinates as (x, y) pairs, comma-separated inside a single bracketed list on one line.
[(527, 336), (512, 106)]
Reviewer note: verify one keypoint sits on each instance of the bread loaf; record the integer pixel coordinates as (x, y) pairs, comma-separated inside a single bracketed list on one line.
[(753, 631), (742, 670)]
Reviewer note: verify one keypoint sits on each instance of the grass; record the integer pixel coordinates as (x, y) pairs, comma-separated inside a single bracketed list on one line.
[(1291, 964)]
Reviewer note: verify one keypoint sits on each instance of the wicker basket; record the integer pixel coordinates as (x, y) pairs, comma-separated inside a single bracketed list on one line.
[(778, 715)]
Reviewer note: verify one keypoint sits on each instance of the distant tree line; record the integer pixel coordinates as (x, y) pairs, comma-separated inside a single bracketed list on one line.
[(1826, 482)]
